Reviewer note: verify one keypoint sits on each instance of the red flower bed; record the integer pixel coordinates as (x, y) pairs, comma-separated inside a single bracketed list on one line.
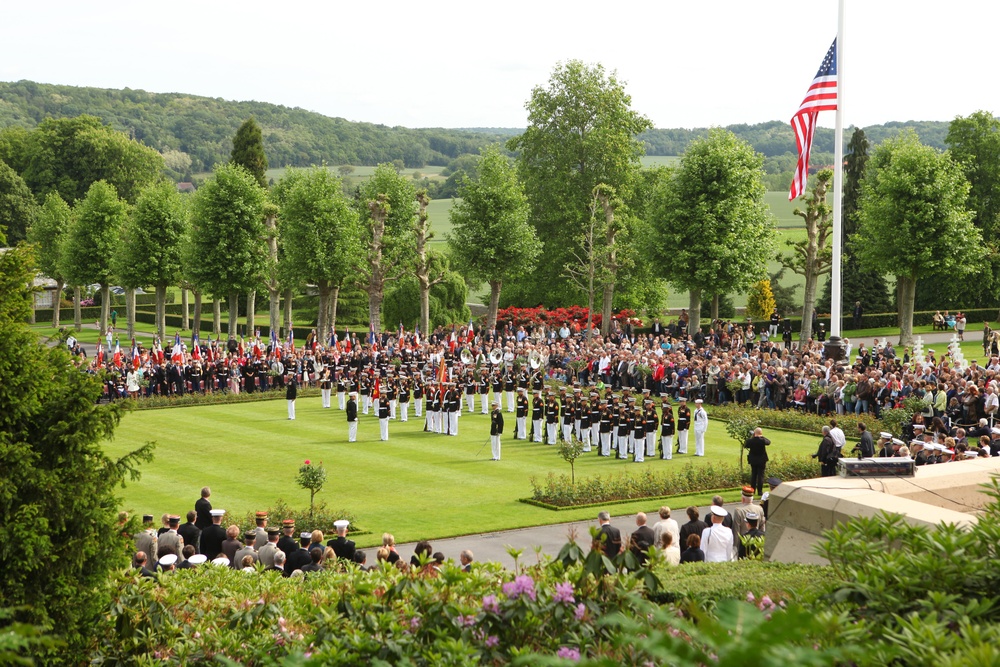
[(556, 317)]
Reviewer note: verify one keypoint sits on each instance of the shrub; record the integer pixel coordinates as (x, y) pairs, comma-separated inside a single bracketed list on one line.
[(560, 490), (321, 518), (794, 420), (216, 398)]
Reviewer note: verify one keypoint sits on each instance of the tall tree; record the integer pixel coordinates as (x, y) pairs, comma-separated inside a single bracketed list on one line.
[(67, 155), (581, 132), (590, 266), (60, 538), (812, 256), (858, 285), (320, 236), (17, 205), (228, 254), (428, 267), (913, 222), (92, 239), (387, 205), (491, 239), (46, 234), (150, 252), (248, 150), (271, 274), (711, 231)]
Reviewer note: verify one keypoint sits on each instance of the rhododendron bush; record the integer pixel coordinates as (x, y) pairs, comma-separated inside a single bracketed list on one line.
[(556, 317)]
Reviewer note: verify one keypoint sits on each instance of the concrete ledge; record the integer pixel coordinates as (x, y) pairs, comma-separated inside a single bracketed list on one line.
[(799, 512)]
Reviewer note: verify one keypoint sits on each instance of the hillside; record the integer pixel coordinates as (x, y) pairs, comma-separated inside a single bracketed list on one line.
[(194, 133)]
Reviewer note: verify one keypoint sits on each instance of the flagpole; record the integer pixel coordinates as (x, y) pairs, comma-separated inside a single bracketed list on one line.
[(838, 182)]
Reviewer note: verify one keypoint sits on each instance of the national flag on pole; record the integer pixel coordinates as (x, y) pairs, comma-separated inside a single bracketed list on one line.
[(100, 353), (347, 340), (209, 350), (135, 355), (377, 391), (333, 338), (241, 348), (196, 348), (177, 339), (117, 358), (471, 333), (822, 96), (416, 335), (441, 371)]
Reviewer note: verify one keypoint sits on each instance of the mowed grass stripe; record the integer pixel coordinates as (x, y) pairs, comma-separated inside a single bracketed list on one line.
[(417, 485)]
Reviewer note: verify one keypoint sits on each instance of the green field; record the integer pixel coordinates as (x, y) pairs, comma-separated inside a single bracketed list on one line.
[(416, 485)]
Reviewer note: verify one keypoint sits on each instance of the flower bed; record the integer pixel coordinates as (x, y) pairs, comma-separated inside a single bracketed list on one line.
[(556, 317), (558, 490)]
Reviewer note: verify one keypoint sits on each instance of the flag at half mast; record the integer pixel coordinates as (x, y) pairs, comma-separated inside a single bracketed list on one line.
[(822, 96)]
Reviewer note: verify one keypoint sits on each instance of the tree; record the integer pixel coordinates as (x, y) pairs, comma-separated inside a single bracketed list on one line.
[(592, 265), (67, 155), (227, 247), (311, 478), (248, 151), (387, 205), (91, 240), (491, 240), (812, 256), (428, 267), (784, 295), (150, 251), (18, 208), (59, 529), (446, 302), (915, 194), (740, 428), (581, 132), (320, 236), (46, 234), (760, 300), (857, 284), (711, 230)]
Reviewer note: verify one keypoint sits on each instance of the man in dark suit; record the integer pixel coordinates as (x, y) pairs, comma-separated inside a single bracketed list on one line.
[(279, 564), (300, 557), (343, 547), (694, 526), (727, 521), (213, 535), (609, 536), (642, 538), (191, 532), (203, 507), (287, 541), (757, 446), (657, 327)]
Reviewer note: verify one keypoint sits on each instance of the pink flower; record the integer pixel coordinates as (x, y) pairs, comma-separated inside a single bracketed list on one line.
[(491, 605), (492, 641), (580, 612), (307, 462), (522, 585), (564, 593), (750, 598), (568, 653)]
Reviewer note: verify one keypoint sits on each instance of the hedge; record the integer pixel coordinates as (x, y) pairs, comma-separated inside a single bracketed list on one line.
[(215, 398), (66, 314), (794, 420)]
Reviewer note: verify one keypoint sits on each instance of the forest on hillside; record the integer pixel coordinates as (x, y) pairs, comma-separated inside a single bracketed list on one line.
[(194, 133)]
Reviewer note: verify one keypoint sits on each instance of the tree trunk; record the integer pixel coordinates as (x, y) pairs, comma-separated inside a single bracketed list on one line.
[(196, 325), (57, 305), (234, 313), (715, 307), (375, 308), (491, 316), (252, 313), (808, 306), (217, 318), (611, 265), (185, 324), (907, 292), (77, 318), (324, 302), (130, 312), (376, 279), (161, 309), (425, 306), (288, 310), (105, 307), (32, 316), (606, 311), (694, 311), (334, 298), (274, 309)]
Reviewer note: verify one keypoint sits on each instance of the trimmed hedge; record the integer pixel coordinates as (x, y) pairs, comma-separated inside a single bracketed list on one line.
[(66, 314), (559, 490), (793, 420), (216, 398)]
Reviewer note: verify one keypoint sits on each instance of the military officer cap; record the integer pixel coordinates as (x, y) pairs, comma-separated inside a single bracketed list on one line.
[(341, 523), (168, 560), (288, 523), (173, 519), (273, 530), (217, 512), (683, 399), (261, 515), (197, 559), (773, 481), (250, 535), (305, 536), (752, 516), (147, 518)]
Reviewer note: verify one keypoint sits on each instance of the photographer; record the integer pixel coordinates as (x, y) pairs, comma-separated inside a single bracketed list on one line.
[(865, 449), (828, 454)]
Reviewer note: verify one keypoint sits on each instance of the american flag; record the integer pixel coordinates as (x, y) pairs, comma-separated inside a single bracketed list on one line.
[(822, 96)]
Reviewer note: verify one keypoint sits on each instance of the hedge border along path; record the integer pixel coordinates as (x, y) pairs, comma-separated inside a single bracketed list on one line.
[(700, 498)]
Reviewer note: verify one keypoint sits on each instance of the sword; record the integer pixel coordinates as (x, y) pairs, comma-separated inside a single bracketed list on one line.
[(483, 447)]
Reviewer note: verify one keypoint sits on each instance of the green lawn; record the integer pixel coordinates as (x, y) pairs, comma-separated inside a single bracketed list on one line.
[(416, 485)]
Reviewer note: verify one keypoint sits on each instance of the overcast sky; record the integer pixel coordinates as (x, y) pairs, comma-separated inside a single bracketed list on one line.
[(473, 64)]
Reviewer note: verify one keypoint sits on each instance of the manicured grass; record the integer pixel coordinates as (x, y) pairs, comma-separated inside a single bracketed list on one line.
[(417, 485)]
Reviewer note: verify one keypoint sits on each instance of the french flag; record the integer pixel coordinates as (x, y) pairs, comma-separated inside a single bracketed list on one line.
[(347, 340), (196, 348), (135, 354), (117, 358), (416, 336), (242, 348), (100, 353)]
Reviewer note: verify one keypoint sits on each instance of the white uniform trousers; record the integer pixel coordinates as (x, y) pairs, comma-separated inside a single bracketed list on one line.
[(585, 439), (605, 444), (325, 393), (682, 442), (366, 402), (699, 443), (431, 422), (522, 423), (537, 424), (418, 406), (375, 405), (567, 430), (651, 443), (667, 442), (510, 401), (470, 400), (495, 446), (341, 400), (484, 400), (553, 433), (291, 409), (623, 446), (453, 423), (383, 428), (576, 429), (392, 409), (639, 452), (352, 431), (404, 410)]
